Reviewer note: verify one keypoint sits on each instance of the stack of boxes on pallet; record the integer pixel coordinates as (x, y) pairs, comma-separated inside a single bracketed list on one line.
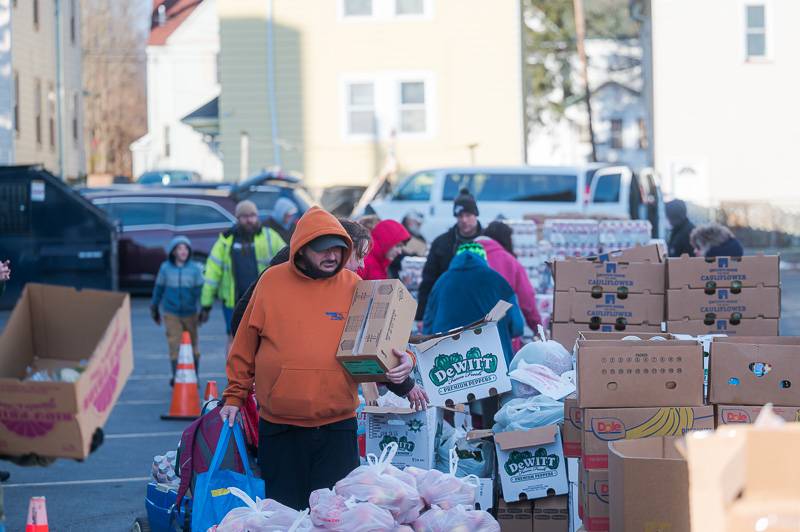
[(629, 389), (613, 292), (735, 296)]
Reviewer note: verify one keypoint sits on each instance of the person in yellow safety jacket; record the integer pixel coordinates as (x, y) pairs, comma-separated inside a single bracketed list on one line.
[(237, 258)]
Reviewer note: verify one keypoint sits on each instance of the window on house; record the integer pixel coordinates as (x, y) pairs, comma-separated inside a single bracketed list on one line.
[(51, 115), (72, 28), (357, 8), (616, 134), (412, 107), (16, 102), (76, 102), (36, 14), (37, 110), (167, 147), (644, 142), (409, 7), (361, 108), (756, 31)]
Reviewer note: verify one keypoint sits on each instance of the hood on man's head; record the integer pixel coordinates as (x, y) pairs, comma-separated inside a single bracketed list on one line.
[(386, 235), (709, 235), (675, 211), (281, 208), (317, 222), (175, 242)]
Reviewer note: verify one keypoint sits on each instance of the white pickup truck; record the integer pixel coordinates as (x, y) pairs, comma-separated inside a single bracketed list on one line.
[(516, 191)]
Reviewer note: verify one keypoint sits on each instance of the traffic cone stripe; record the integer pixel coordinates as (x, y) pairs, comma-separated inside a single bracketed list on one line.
[(185, 376), (37, 515)]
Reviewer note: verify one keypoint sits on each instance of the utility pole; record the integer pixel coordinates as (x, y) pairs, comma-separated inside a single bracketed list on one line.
[(580, 35)]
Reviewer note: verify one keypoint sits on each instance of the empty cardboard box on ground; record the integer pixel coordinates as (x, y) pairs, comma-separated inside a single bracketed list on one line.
[(54, 327), (605, 425), (379, 320), (699, 272), (620, 373), (648, 486), (755, 371)]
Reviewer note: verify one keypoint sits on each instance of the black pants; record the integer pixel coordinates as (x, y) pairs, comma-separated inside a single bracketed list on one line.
[(295, 461)]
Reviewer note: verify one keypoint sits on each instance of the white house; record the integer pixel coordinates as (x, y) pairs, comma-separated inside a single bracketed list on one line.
[(726, 75), (182, 77)]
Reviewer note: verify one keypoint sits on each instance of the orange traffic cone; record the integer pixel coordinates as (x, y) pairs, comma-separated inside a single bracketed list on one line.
[(211, 391), (185, 396), (37, 516)]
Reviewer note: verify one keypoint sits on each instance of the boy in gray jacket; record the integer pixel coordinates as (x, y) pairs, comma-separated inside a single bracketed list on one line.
[(177, 291)]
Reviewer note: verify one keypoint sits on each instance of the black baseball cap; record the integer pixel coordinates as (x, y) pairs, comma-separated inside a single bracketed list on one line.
[(324, 242)]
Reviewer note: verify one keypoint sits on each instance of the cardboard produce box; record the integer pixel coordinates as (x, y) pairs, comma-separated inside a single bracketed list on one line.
[(551, 514), (605, 425), (619, 373), (584, 307), (51, 328), (465, 364), (484, 498), (573, 427), (649, 486), (732, 414), (755, 370), (567, 333), (609, 277), (531, 463), (380, 319), (647, 253), (699, 272), (596, 498), (744, 327), (515, 516), (417, 434), (725, 303)]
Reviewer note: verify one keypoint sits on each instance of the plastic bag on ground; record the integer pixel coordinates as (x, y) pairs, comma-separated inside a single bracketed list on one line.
[(528, 413), (445, 490), (330, 511), (458, 519), (384, 485), (263, 515), (542, 380), (474, 457), (548, 353)]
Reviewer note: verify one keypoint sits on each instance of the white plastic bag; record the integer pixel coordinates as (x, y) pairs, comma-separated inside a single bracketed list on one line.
[(542, 379), (474, 457), (546, 352), (458, 519), (445, 490), (528, 413), (384, 485), (263, 515), (332, 512)]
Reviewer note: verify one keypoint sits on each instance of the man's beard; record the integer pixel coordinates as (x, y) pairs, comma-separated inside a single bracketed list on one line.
[(313, 271), (249, 230)]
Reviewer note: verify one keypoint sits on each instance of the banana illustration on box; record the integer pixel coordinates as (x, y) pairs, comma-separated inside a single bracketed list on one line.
[(666, 422)]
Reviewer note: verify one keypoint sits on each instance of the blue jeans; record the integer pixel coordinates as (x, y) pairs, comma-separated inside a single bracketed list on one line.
[(228, 314)]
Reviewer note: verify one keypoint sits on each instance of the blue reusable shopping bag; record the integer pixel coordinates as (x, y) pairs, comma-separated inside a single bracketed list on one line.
[(212, 501)]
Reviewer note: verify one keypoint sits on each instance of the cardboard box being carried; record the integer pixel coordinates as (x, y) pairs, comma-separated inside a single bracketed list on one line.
[(732, 414), (54, 327), (699, 272), (417, 434), (465, 364), (567, 333), (755, 371), (531, 463), (649, 486), (585, 307), (379, 320), (725, 303), (604, 425), (573, 427), (620, 373), (743, 327), (596, 498)]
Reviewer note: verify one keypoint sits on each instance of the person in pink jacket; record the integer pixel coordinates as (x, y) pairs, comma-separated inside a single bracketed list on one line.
[(497, 242), (388, 239)]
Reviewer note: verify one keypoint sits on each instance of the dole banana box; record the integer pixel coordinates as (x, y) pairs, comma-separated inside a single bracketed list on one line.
[(731, 414), (609, 277), (379, 320), (604, 425), (465, 364), (718, 272), (417, 434), (573, 427), (725, 303), (714, 325), (531, 463), (600, 308), (596, 500)]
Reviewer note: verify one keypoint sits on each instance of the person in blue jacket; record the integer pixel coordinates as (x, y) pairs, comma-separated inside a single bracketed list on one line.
[(177, 291)]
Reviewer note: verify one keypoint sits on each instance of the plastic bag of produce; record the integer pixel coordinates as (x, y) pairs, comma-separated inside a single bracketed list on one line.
[(382, 484), (541, 380), (330, 511), (474, 457), (263, 515), (445, 490), (528, 413), (546, 352), (458, 519)]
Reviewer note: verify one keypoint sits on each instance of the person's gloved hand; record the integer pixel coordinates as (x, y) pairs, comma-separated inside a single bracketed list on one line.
[(418, 398), (399, 373), (203, 316), (154, 313)]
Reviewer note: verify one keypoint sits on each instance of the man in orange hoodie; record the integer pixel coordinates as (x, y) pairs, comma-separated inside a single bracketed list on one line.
[(287, 343)]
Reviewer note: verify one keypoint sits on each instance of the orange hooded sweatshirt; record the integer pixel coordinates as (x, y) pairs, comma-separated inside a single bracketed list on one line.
[(289, 336)]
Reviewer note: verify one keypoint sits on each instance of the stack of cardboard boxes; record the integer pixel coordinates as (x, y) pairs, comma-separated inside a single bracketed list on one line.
[(620, 291), (629, 389), (735, 296)]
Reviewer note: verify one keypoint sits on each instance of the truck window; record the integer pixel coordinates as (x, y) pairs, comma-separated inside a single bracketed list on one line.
[(417, 188), (514, 187), (607, 189), (193, 214), (140, 213)]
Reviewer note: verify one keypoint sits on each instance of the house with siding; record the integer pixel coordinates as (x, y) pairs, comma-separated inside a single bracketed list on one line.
[(336, 90)]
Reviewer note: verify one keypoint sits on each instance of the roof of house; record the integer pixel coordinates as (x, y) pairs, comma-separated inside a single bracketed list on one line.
[(175, 11)]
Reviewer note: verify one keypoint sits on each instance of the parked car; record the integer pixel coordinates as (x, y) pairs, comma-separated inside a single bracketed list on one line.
[(168, 178), (513, 192), (150, 217)]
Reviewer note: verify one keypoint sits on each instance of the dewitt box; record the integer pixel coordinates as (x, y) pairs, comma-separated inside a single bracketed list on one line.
[(731, 414), (465, 364), (726, 303), (531, 463), (604, 277), (416, 434), (54, 328), (379, 320), (699, 272), (604, 425)]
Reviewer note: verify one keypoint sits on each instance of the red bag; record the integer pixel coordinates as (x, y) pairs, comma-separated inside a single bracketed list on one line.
[(249, 412)]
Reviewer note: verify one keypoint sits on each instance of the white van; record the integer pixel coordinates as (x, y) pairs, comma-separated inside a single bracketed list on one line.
[(513, 192)]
